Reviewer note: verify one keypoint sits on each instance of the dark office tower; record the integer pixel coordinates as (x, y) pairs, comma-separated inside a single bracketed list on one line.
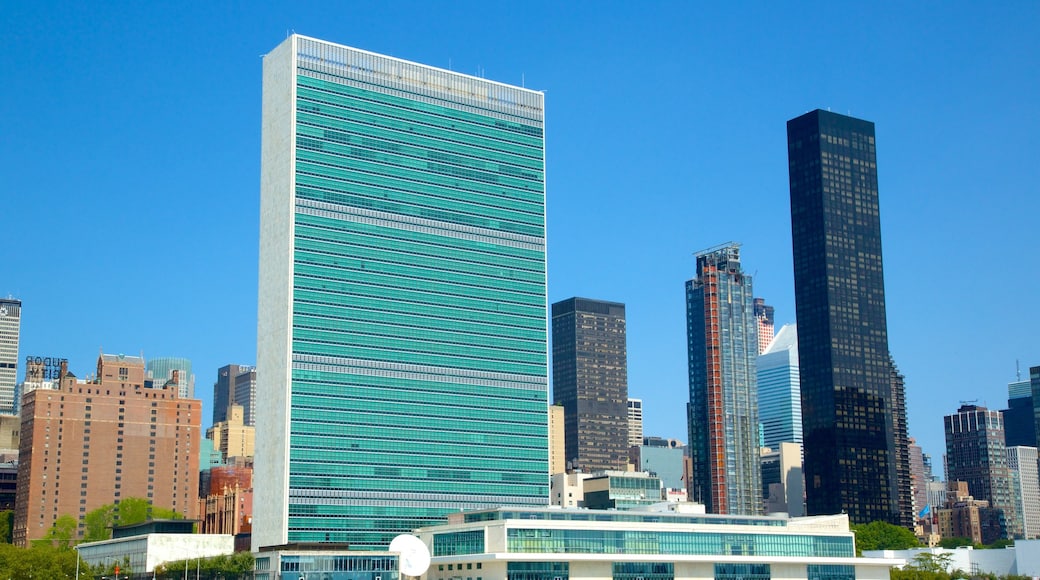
[(847, 403), (975, 454), (1034, 384), (590, 380), (722, 345), (224, 391), (1019, 419)]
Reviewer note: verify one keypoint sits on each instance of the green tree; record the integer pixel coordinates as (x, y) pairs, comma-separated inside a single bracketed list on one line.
[(61, 534), (39, 561), (6, 525), (954, 542), (132, 510), (238, 566), (883, 536)]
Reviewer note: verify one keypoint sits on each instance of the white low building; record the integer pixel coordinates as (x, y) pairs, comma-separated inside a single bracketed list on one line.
[(1022, 559), (561, 544), (139, 549)]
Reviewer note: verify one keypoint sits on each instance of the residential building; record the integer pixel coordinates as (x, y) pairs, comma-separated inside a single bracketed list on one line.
[(900, 467), (848, 416), (976, 455), (1025, 482), (233, 437), (764, 317), (635, 422), (402, 303), (40, 373), (557, 449), (590, 380), (779, 390), (967, 517), (722, 344), (178, 370), (542, 544), (783, 485), (224, 390), (92, 443), (10, 331)]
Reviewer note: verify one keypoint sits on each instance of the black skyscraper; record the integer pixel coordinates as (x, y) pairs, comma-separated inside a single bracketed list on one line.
[(590, 380), (849, 412)]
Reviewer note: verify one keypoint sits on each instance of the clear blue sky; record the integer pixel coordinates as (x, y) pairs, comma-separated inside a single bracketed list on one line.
[(130, 147)]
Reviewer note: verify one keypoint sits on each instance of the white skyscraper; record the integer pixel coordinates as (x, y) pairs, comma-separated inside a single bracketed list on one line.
[(779, 391), (1022, 465), (10, 329)]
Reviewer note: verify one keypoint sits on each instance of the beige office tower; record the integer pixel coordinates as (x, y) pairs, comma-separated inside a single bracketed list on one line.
[(557, 449), (635, 422), (94, 442), (233, 437)]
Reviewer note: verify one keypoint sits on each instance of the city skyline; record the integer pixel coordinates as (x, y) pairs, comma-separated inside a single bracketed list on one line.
[(131, 161)]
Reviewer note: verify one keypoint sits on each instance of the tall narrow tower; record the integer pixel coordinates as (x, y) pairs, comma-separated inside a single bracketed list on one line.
[(722, 341), (590, 380), (402, 352), (848, 414), (10, 328)]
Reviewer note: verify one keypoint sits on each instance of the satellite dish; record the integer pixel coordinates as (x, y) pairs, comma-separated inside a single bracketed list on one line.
[(415, 556)]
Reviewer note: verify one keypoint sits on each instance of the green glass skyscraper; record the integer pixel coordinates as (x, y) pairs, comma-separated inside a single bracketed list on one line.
[(402, 338)]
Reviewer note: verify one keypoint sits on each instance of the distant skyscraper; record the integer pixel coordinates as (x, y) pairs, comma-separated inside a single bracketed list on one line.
[(402, 339), (919, 477), (764, 317), (846, 375), (975, 454), (245, 394), (10, 329), (1034, 383), (161, 370), (224, 391), (590, 380), (557, 449), (1025, 478), (635, 422), (722, 342), (779, 391), (1019, 419), (783, 487)]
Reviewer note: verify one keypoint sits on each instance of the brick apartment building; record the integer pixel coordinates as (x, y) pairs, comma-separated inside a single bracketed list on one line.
[(94, 442)]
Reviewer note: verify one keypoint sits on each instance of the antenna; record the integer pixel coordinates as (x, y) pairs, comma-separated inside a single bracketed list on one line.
[(1018, 371)]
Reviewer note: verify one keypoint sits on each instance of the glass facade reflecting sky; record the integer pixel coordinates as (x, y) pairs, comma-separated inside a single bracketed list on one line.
[(722, 342)]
